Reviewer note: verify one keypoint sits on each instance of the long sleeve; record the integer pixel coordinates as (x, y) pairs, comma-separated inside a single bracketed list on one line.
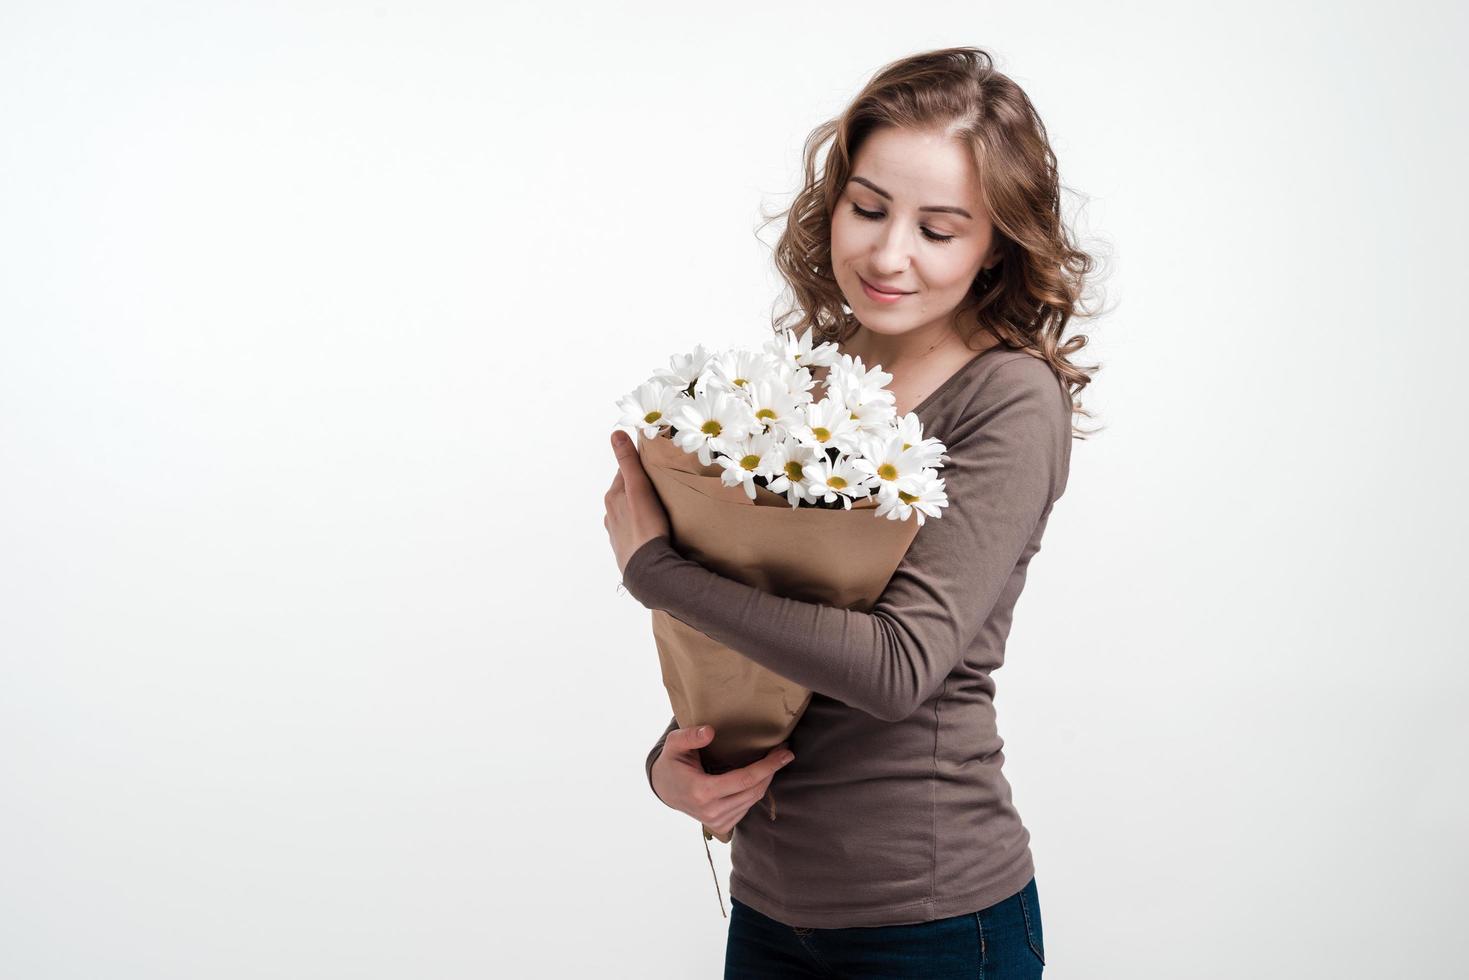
[(1008, 453), (658, 750)]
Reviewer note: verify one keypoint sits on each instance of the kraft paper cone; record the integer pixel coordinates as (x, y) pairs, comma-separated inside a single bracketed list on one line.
[(842, 558)]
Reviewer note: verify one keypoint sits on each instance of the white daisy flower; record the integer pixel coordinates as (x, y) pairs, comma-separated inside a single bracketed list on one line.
[(798, 382), (710, 421), (748, 459), (789, 460), (840, 479), (857, 384), (928, 498), (872, 407), (684, 369), (888, 466), (773, 404), (827, 424), (874, 416), (647, 407), (911, 430), (786, 346), (738, 368)]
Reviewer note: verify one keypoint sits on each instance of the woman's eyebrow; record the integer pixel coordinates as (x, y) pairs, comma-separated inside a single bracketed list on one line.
[(932, 207)]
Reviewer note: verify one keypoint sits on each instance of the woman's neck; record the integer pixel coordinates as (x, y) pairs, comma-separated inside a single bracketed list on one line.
[(904, 351)]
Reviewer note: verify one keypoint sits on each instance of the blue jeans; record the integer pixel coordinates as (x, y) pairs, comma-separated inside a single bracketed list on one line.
[(1002, 942)]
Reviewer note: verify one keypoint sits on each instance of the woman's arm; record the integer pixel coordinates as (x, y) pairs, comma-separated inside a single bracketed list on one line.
[(1008, 458), (658, 750)]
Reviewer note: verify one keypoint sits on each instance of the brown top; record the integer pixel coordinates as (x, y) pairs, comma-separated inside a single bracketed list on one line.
[(895, 809)]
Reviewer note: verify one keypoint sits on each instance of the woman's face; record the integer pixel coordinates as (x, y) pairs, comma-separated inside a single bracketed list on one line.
[(926, 233)]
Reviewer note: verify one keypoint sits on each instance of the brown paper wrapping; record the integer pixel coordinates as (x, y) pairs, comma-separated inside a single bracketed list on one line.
[(838, 558)]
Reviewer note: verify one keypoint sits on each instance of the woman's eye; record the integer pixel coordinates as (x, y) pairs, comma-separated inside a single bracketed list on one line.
[(874, 215)]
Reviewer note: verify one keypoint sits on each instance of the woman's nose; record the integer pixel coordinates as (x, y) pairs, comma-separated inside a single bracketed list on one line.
[(890, 257)]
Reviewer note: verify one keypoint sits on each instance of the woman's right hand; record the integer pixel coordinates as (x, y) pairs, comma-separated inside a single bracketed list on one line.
[(718, 802)]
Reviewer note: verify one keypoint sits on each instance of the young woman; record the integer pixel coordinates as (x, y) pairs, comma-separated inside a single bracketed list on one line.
[(931, 244)]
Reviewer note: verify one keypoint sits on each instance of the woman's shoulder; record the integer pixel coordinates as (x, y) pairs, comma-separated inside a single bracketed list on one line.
[(1008, 375), (1013, 389), (1020, 366)]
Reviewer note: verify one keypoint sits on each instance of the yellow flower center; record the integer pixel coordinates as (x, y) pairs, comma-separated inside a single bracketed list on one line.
[(740, 382), (710, 428), (887, 471), (836, 482), (765, 413), (907, 445), (821, 434), (750, 462), (653, 416), (793, 470), (906, 497)]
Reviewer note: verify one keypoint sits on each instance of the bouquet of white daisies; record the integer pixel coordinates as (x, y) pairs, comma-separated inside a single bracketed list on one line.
[(753, 413), (767, 484)]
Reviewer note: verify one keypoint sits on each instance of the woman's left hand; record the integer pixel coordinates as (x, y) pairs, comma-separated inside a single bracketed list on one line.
[(635, 515)]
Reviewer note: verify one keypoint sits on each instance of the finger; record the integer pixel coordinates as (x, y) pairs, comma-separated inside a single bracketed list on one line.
[(732, 810), (689, 739), (629, 463), (729, 812), (614, 499), (739, 780), (623, 443)]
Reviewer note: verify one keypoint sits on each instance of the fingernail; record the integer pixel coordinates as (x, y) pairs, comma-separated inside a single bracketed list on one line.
[(703, 730), (786, 758)]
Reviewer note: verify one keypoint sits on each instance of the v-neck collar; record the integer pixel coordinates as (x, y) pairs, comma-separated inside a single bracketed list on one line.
[(951, 379)]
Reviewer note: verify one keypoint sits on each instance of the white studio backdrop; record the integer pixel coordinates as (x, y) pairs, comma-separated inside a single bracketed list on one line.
[(312, 320)]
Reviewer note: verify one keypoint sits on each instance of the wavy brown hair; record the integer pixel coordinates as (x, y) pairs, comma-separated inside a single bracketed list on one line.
[(1031, 295)]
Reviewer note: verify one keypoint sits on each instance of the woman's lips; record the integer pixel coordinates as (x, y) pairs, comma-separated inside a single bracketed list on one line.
[(877, 295)]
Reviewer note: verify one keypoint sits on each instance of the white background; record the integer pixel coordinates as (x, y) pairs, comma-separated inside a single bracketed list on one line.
[(312, 322)]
